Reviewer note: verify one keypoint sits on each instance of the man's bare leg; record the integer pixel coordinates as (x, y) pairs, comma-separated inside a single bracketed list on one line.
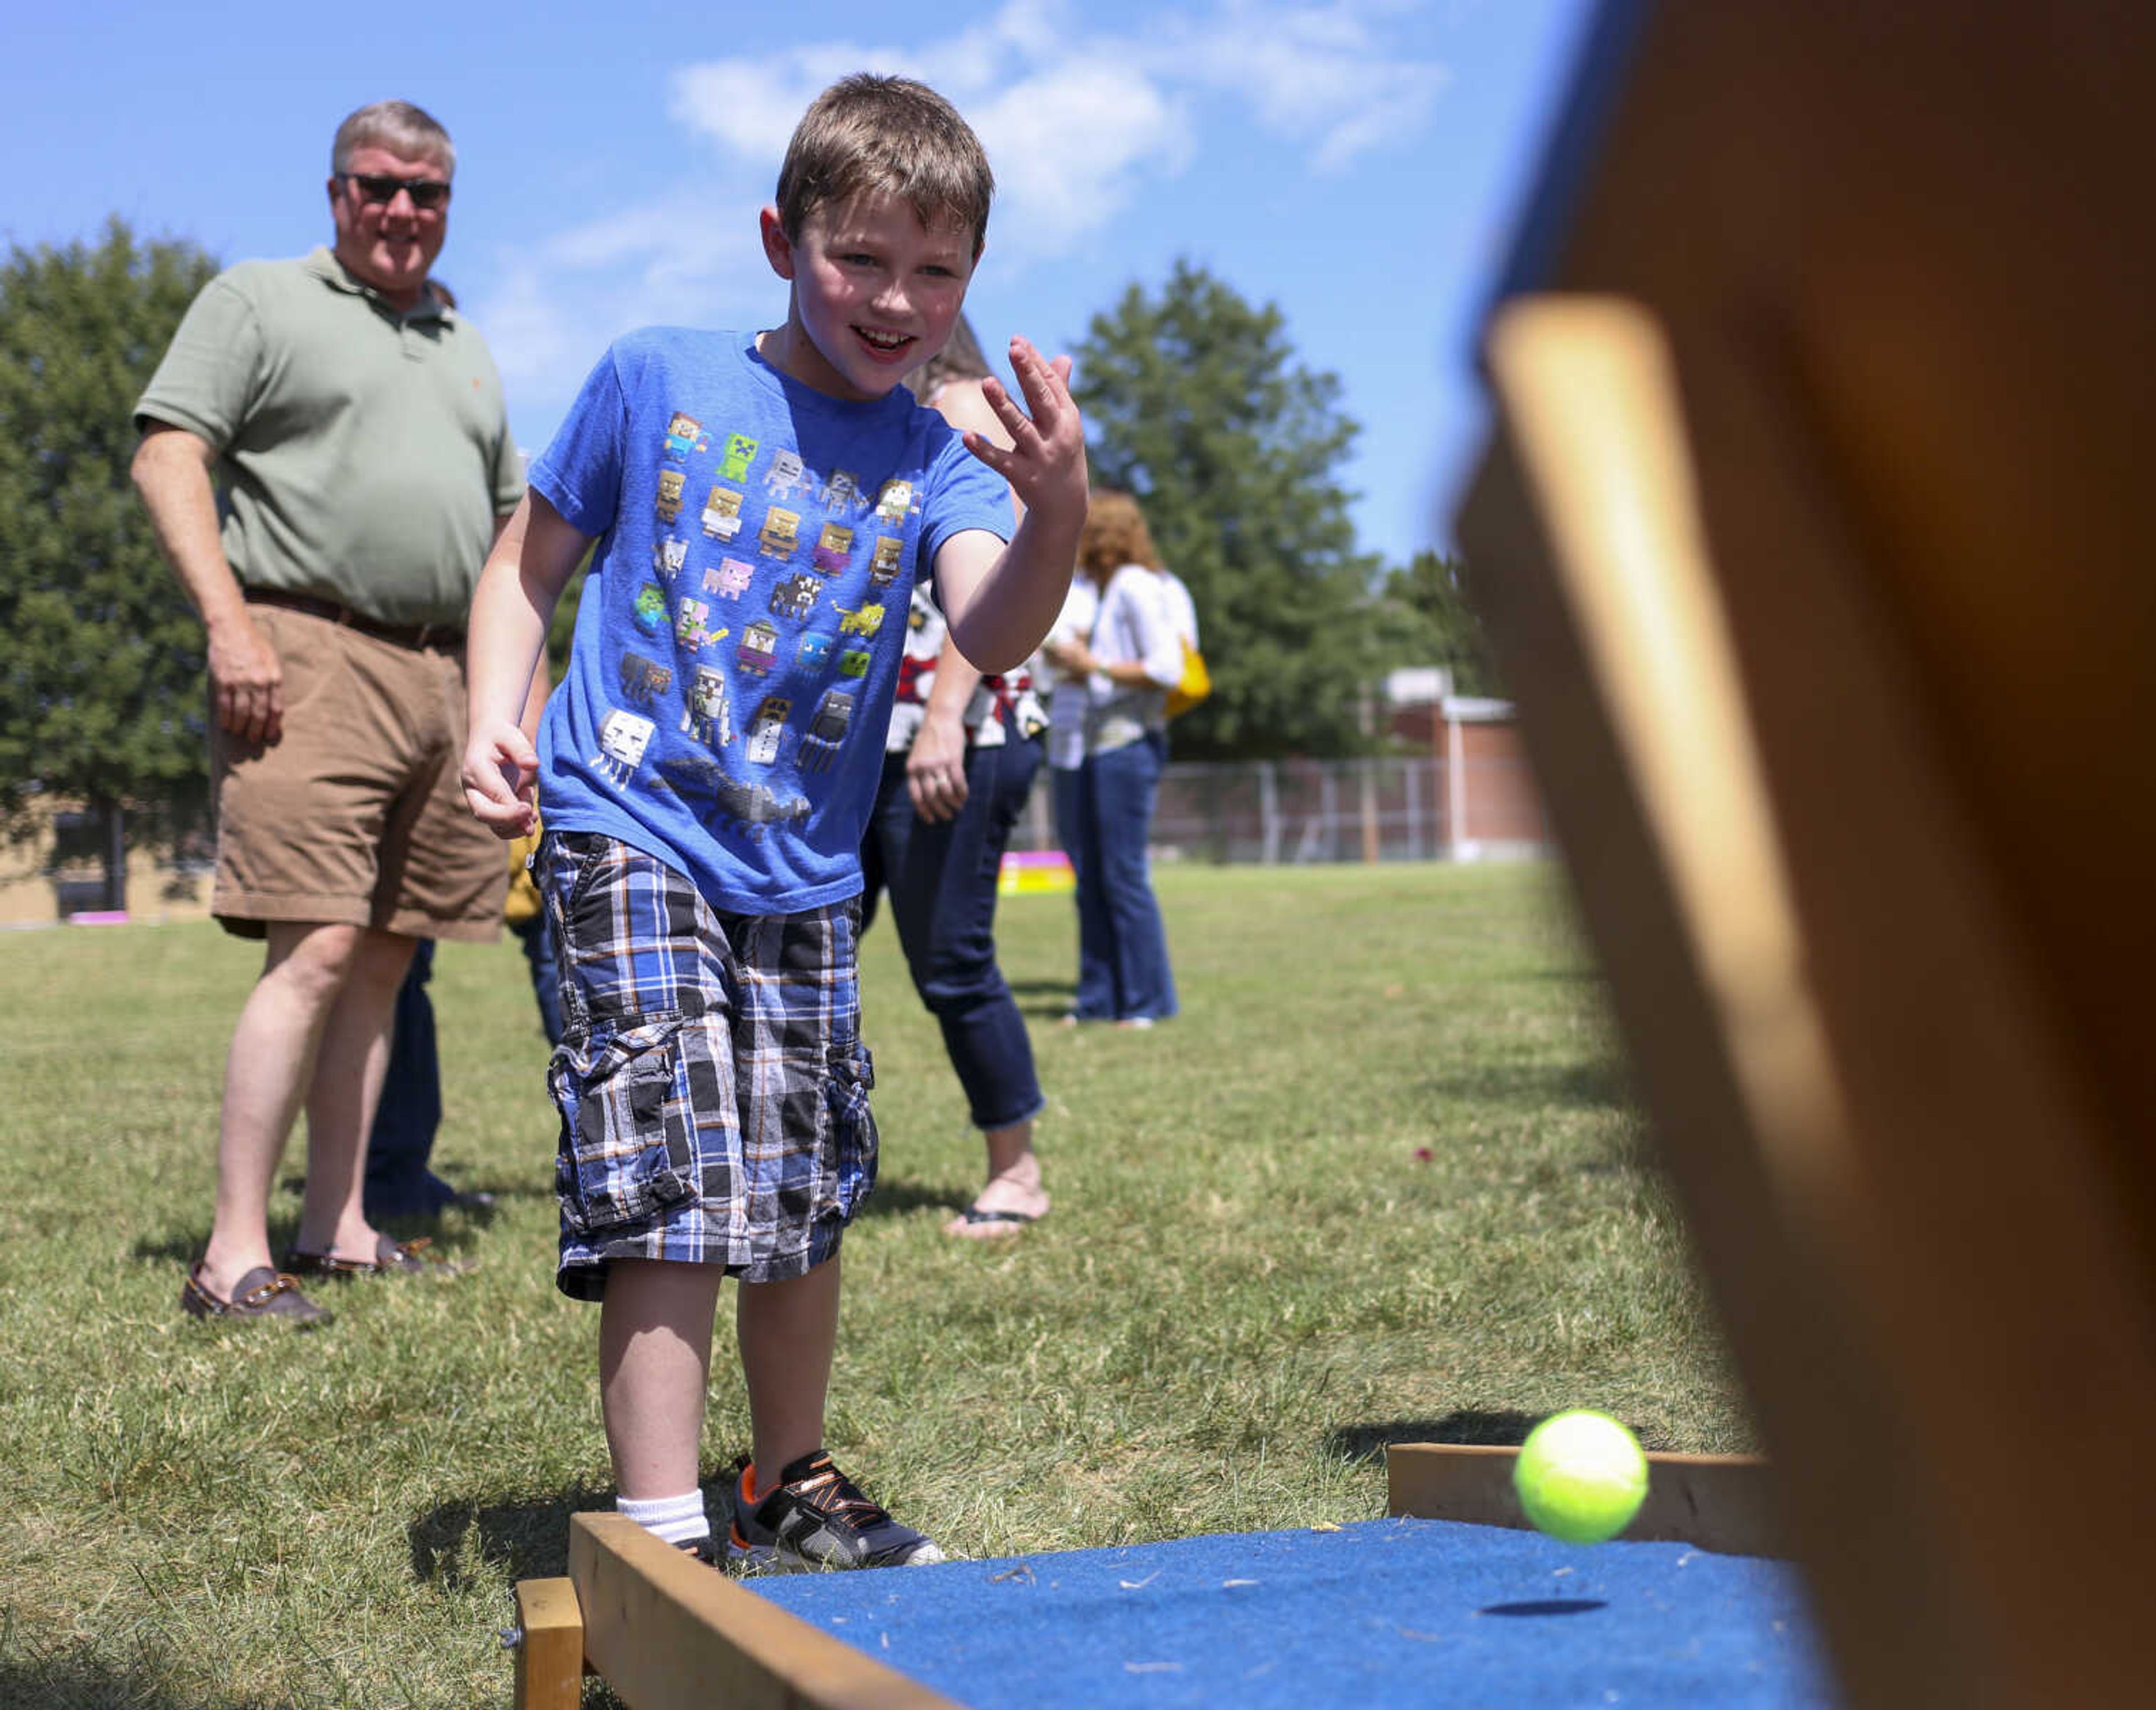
[(343, 1094), (789, 1332), (269, 1062), (655, 1364)]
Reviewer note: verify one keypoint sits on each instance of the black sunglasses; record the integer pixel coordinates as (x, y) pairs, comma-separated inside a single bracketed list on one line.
[(375, 189)]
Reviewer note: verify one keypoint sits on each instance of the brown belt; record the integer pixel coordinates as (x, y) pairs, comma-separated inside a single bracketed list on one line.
[(414, 636)]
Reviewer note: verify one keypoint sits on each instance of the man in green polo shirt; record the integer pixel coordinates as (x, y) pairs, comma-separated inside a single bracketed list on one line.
[(355, 423)]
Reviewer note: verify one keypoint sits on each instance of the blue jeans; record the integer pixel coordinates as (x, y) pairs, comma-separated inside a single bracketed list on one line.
[(1104, 814), (398, 1181), (942, 880), (537, 938)]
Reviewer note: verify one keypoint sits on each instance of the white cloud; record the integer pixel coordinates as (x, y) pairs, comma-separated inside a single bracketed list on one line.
[(1072, 148), (1314, 73), (1074, 122), (1078, 122)]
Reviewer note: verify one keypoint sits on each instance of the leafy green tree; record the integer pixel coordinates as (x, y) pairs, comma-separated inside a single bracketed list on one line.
[(102, 700), (1426, 619), (1195, 403)]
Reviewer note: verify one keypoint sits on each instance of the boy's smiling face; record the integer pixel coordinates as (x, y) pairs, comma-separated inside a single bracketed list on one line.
[(876, 293)]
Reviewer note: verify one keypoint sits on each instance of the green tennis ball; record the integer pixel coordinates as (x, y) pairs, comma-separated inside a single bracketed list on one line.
[(1581, 1476)]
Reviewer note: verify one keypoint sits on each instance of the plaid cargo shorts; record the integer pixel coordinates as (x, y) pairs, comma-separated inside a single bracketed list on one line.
[(713, 1087)]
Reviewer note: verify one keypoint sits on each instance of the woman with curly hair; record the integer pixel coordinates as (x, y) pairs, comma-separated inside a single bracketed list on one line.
[(1118, 660)]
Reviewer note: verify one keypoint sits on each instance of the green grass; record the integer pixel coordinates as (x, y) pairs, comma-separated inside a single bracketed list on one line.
[(1251, 1282)]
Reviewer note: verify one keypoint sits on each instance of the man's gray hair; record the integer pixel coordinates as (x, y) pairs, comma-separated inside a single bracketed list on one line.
[(398, 126)]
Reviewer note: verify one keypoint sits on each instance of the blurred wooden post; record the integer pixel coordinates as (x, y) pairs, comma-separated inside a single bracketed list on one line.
[(1858, 804)]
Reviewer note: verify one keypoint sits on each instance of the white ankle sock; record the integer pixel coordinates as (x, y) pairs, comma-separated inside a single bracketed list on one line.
[(679, 1520)]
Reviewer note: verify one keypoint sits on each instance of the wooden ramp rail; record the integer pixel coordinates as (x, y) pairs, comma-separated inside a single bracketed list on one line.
[(667, 1633), (1722, 1502)]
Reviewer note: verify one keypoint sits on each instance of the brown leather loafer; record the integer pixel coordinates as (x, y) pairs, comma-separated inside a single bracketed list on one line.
[(261, 1293), (393, 1258)]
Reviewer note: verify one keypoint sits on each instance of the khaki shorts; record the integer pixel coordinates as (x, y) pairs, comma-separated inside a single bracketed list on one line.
[(354, 816)]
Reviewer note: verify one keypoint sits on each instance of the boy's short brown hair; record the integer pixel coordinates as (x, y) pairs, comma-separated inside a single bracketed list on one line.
[(890, 134)]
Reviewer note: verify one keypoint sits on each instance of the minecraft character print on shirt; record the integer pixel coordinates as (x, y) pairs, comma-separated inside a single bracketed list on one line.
[(827, 730), (883, 563), (758, 651), (728, 578), (644, 680), (667, 555), (780, 534), (865, 622), (895, 501), (723, 513), (788, 477), (842, 492), (740, 453), (747, 807), (708, 714), (669, 505), (623, 738), (741, 806), (692, 626), (684, 435), (768, 728), (795, 596), (834, 546)]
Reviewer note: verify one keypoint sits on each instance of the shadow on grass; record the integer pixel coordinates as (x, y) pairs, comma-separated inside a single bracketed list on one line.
[(454, 1240), (1044, 1000), (77, 1682), (1598, 1086), (523, 1540), (895, 1196), (527, 1540), (1368, 1442)]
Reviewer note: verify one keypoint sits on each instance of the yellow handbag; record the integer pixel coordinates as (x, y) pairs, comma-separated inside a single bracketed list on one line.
[(1192, 686), (523, 903)]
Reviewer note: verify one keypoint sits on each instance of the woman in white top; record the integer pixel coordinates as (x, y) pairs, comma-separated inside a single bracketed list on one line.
[(1109, 743)]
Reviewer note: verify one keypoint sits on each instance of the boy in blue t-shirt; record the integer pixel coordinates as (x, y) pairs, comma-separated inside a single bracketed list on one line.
[(763, 504)]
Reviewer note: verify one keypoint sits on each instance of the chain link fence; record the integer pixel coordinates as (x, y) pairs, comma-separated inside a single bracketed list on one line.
[(1409, 808)]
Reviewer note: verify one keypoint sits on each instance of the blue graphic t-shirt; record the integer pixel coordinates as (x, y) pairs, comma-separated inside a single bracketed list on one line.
[(739, 636)]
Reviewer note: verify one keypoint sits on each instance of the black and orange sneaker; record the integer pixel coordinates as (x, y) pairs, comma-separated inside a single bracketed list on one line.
[(817, 1517)]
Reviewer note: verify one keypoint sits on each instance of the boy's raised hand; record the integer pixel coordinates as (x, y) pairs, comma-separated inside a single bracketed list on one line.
[(1045, 463)]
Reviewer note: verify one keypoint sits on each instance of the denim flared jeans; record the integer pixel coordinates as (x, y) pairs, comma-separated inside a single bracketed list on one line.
[(1104, 816)]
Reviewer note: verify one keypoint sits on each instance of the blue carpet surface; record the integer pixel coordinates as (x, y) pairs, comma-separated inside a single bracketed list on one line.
[(1386, 1612)]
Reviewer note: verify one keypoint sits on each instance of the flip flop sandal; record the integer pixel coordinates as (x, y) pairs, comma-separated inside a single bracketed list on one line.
[(974, 1215)]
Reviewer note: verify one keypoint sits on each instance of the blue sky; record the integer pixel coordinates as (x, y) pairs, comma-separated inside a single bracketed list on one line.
[(1358, 163)]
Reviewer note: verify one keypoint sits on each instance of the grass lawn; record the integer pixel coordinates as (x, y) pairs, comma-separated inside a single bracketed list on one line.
[(1379, 1182)]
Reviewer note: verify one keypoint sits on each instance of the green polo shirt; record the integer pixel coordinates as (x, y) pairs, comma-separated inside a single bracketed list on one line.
[(363, 454)]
